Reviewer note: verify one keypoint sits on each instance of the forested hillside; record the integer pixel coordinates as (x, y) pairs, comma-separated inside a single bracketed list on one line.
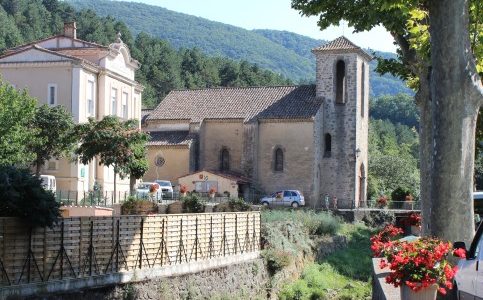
[(283, 52), (163, 67)]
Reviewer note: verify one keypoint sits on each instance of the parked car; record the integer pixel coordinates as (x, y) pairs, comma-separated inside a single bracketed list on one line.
[(49, 183), (143, 191), (478, 202), (166, 188), (293, 198), (469, 278)]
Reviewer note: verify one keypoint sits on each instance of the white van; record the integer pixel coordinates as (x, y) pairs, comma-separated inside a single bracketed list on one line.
[(49, 183)]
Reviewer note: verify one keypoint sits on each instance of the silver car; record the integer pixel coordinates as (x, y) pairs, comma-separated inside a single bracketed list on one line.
[(293, 198), (166, 188), (143, 191)]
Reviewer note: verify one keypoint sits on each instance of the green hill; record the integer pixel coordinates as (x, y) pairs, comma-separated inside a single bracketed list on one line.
[(283, 52)]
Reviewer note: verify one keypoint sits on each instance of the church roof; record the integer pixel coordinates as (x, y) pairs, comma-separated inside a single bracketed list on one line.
[(248, 103), (342, 44), (169, 138)]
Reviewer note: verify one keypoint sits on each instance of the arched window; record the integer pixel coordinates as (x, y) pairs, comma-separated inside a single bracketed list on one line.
[(278, 165), (224, 160), (363, 86), (340, 82), (328, 145)]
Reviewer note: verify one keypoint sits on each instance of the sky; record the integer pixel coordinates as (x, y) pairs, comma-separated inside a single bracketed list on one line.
[(273, 14)]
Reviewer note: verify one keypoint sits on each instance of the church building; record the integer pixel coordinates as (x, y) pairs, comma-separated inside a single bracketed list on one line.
[(312, 138)]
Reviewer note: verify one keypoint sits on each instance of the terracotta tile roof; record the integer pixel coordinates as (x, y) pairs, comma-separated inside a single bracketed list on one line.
[(341, 44), (37, 47), (91, 44), (239, 178), (169, 138), (277, 102)]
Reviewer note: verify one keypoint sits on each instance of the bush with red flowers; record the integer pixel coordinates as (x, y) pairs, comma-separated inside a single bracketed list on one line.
[(420, 264), (415, 219), (383, 241)]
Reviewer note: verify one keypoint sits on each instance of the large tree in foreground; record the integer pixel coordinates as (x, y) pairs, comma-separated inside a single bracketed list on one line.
[(115, 144), (456, 96), (442, 70)]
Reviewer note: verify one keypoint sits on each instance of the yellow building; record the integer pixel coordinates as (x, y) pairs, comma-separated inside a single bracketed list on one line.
[(89, 80)]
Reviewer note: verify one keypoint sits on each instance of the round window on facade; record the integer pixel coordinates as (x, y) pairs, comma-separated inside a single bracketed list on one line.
[(159, 161)]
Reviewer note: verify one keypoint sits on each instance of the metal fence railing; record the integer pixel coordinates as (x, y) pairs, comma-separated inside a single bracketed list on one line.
[(403, 205), (107, 199)]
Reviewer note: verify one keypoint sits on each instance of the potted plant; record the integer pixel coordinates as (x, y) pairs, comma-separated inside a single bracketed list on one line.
[(420, 267), (415, 223), (382, 201), (212, 192), (183, 190)]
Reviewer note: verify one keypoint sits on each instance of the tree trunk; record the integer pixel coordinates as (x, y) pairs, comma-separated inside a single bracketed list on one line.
[(424, 103), (38, 168), (456, 98), (132, 183), (114, 198)]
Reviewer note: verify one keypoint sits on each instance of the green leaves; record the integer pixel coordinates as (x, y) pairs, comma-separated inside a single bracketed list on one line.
[(54, 137), (22, 196), (114, 143), (17, 111)]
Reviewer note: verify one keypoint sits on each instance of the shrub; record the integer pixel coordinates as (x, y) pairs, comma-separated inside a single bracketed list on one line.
[(233, 205), (401, 195), (133, 206), (316, 223), (192, 204), (22, 196), (276, 260), (175, 208), (377, 219)]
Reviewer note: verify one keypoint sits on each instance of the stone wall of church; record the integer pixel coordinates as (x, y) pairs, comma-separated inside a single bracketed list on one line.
[(250, 149), (216, 135), (338, 170), (362, 132), (297, 143), (176, 163)]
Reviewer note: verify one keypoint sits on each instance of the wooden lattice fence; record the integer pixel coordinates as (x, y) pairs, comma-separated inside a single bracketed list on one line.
[(80, 247)]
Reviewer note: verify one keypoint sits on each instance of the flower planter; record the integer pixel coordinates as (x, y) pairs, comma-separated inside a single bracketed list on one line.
[(428, 293), (415, 230), (183, 194)]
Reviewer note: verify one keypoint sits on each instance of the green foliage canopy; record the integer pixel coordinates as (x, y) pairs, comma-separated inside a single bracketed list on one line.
[(17, 110), (114, 142), (55, 136), (22, 196)]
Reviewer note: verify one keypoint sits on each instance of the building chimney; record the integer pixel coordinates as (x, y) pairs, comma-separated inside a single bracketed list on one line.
[(70, 30)]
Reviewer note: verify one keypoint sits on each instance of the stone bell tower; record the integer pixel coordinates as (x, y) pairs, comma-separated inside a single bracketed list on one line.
[(342, 80)]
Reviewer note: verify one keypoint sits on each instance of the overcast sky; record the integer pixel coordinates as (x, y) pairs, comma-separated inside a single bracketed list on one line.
[(273, 14)]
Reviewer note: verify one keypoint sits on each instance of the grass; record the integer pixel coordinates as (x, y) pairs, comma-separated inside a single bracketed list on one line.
[(344, 275), (316, 223)]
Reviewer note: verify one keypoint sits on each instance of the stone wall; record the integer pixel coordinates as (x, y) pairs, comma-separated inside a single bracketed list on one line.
[(340, 171), (247, 280), (218, 134), (177, 163), (296, 141)]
